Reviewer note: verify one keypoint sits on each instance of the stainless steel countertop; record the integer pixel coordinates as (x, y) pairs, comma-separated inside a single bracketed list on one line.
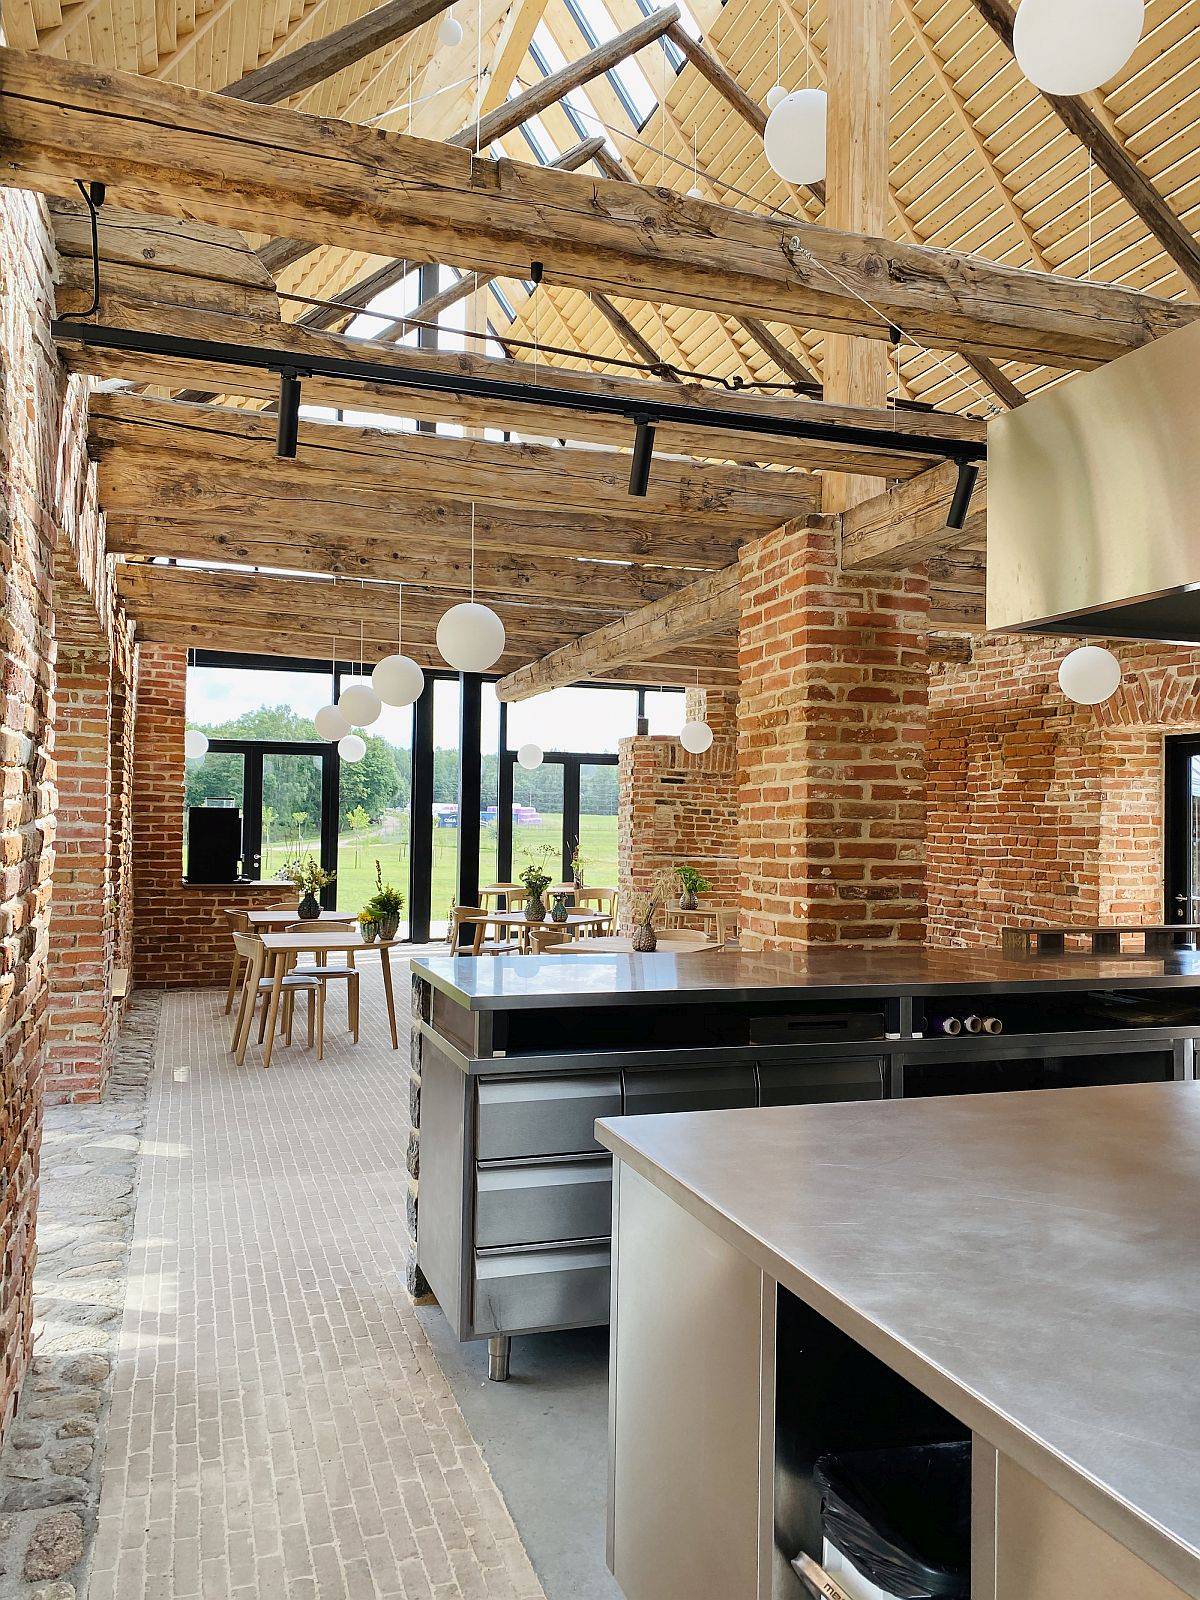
[(496, 983), (1031, 1261)]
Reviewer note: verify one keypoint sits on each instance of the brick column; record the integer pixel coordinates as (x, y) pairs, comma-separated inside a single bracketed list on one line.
[(832, 724), (674, 807), (83, 925)]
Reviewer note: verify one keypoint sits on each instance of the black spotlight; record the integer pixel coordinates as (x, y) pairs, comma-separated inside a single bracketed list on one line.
[(643, 453), (960, 500), (288, 430)]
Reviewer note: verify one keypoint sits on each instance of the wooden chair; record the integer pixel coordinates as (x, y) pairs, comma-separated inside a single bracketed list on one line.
[(614, 907), (468, 916), (256, 985), (311, 967), (548, 934), (239, 922)]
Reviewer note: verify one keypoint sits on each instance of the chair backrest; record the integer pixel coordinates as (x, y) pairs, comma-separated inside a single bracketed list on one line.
[(248, 945), (239, 920)]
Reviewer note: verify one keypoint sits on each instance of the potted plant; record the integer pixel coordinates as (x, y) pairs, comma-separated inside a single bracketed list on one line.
[(368, 925), (692, 884), (309, 879), (384, 907), (558, 908), (578, 862), (536, 880), (645, 905)]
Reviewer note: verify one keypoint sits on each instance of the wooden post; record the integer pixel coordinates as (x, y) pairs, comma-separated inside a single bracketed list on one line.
[(859, 68)]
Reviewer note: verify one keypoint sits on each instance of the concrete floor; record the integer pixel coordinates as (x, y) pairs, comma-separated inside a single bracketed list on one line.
[(544, 1436)]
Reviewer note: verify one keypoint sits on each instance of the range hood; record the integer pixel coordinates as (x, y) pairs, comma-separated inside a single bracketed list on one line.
[(1093, 492)]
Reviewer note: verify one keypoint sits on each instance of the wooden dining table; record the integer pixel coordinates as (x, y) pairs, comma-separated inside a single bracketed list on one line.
[(281, 948), (669, 944), (284, 916), (576, 922)]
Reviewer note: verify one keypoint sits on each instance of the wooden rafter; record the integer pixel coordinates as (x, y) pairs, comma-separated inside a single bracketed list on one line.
[(907, 524)]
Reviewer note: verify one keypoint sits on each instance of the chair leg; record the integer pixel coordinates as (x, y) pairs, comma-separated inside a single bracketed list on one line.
[(234, 974), (352, 1005), (320, 999), (289, 1008), (262, 1018), (241, 1020), (311, 1015)]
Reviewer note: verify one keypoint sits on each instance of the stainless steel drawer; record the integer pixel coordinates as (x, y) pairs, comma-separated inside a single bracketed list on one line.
[(537, 1202), (817, 1082), (688, 1089), (523, 1291), (543, 1116)]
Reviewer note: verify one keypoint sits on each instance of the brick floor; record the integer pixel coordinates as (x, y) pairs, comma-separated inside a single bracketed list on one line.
[(280, 1425)]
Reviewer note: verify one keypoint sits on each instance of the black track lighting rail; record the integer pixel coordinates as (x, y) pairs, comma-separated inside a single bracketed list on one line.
[(398, 376)]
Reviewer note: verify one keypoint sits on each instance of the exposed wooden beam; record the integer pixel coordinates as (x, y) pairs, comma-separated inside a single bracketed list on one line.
[(906, 525), (859, 66), (516, 35), (707, 605), (1110, 156), (261, 168), (314, 62), (549, 422), (374, 461)]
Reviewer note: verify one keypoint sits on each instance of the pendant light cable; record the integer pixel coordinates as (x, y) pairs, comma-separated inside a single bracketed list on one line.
[(472, 552)]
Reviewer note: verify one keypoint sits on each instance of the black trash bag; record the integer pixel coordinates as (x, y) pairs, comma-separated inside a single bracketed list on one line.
[(902, 1517)]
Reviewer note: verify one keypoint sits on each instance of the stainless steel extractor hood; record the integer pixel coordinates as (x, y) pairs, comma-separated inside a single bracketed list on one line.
[(1093, 520)]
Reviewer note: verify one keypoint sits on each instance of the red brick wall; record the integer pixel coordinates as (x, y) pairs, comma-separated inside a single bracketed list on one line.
[(180, 933), (676, 808), (1042, 811), (30, 397), (832, 723)]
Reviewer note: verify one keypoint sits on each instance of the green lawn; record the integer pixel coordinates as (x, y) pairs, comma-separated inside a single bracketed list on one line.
[(357, 854)]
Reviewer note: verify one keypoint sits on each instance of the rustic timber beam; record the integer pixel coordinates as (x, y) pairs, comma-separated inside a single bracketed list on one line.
[(313, 63), (175, 151), (1116, 164), (907, 524), (376, 461), (684, 430), (706, 606), (512, 113)]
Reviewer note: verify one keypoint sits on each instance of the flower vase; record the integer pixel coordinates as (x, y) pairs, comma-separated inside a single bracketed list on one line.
[(645, 940), (389, 926), (558, 911), (369, 931), (689, 900), (535, 908), (309, 908)]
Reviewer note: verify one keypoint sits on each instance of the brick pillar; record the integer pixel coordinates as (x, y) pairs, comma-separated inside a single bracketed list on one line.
[(83, 925), (832, 725), (673, 807)]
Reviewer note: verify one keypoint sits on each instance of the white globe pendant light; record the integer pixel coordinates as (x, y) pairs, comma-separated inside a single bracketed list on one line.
[(331, 723), (398, 680), (1089, 675), (1073, 46), (450, 30), (352, 747), (696, 737), (195, 744), (470, 637), (795, 136), (359, 704), (529, 756), (774, 95)]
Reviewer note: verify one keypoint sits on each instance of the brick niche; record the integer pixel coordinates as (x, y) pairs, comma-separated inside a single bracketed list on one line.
[(831, 750), (180, 932), (675, 808), (1042, 811)]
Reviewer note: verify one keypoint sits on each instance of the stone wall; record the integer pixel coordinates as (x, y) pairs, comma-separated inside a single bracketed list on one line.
[(180, 931), (675, 808), (1040, 810), (831, 751)]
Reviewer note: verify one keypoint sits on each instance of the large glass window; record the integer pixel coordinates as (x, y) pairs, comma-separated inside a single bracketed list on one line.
[(444, 873), (236, 703), (581, 718), (374, 814)]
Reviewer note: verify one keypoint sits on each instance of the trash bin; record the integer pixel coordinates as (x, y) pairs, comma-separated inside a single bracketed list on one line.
[(897, 1523)]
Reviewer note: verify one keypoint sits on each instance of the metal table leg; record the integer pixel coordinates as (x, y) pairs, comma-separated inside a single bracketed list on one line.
[(499, 1352)]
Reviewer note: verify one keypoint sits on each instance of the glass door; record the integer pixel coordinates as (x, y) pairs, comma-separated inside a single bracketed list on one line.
[(597, 828), (1182, 818), (569, 800)]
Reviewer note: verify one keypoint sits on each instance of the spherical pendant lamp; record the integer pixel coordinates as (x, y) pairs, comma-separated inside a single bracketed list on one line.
[(774, 95), (795, 136), (359, 704), (696, 737), (353, 747), (529, 756), (1089, 675), (195, 744), (331, 723), (1073, 46), (470, 637), (398, 680), (450, 31)]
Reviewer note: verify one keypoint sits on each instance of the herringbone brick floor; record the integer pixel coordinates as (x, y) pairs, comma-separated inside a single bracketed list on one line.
[(280, 1426)]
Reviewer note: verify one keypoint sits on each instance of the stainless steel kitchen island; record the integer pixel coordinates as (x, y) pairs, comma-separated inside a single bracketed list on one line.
[(515, 1057), (1019, 1270)]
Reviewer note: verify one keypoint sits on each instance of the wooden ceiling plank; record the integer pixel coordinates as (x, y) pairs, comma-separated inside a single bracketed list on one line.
[(707, 605), (165, 149)]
